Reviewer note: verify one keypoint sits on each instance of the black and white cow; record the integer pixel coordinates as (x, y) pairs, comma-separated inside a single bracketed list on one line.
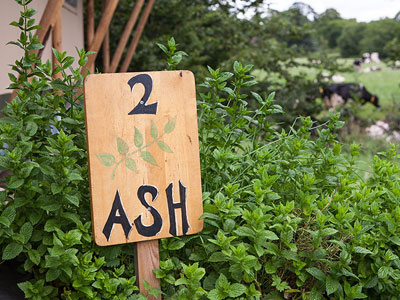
[(340, 93)]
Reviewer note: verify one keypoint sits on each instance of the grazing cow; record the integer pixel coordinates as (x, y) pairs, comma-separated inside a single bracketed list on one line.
[(366, 57), (375, 57), (339, 93), (338, 79), (357, 64)]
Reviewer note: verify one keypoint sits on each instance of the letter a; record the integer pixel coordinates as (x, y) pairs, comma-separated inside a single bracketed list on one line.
[(113, 218)]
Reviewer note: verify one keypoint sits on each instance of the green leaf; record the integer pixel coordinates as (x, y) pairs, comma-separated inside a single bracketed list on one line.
[(9, 213), (11, 251), (73, 199), (52, 274), (26, 231), (147, 156), (216, 295), (153, 130), (58, 84), (146, 285), (362, 250), (271, 235), (6, 222), (163, 146), (176, 245), (69, 121), (236, 289), (55, 188), (31, 128), (35, 46), (225, 76), (395, 240), (218, 257), (332, 285), (74, 176), (315, 294), (51, 206), (51, 225), (162, 47), (270, 267), (328, 231), (317, 273), (123, 147), (131, 164), (15, 183), (52, 261), (170, 126), (155, 292), (86, 290), (245, 231), (106, 159), (138, 139), (384, 271), (171, 43), (34, 256)]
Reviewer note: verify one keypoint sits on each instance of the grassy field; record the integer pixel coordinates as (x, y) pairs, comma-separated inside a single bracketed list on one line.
[(384, 83)]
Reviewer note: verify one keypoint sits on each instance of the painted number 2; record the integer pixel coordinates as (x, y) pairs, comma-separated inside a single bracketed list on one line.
[(142, 108)]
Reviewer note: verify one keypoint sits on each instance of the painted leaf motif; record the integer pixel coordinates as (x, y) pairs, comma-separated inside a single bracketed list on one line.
[(170, 126), (153, 130), (106, 159), (147, 156), (131, 164), (123, 147), (138, 139), (164, 147)]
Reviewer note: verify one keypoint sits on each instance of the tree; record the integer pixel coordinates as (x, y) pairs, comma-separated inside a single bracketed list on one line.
[(328, 15), (329, 26), (377, 34), (349, 40)]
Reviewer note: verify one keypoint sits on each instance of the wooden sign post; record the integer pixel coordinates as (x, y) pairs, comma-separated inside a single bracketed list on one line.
[(144, 163)]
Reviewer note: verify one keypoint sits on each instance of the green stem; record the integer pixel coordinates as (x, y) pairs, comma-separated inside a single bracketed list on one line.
[(145, 146), (137, 150), (115, 168)]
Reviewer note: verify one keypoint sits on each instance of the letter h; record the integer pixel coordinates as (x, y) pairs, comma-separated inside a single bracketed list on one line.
[(172, 206)]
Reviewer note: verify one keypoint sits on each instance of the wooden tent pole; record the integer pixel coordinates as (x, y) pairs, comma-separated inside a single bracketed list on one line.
[(90, 26), (100, 33), (47, 21), (106, 46), (49, 18), (57, 41), (125, 35), (138, 33)]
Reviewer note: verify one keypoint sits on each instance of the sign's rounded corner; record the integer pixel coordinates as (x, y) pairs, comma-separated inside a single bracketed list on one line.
[(188, 73), (101, 243), (88, 78)]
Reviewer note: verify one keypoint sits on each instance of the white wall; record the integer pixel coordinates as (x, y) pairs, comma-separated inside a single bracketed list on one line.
[(72, 33)]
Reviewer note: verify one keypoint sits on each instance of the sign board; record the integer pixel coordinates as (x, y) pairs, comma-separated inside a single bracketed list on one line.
[(143, 149)]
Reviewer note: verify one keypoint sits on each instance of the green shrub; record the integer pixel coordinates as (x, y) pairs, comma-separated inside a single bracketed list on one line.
[(45, 213), (286, 216)]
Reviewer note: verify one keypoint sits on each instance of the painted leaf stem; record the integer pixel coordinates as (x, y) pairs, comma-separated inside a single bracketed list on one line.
[(108, 159)]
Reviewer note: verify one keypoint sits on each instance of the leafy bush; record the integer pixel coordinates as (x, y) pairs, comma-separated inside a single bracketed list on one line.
[(286, 217), (45, 214)]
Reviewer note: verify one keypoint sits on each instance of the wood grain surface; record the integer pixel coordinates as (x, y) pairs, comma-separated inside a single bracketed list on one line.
[(147, 259), (173, 168)]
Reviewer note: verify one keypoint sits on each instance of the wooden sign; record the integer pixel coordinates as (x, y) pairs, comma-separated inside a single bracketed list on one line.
[(144, 162)]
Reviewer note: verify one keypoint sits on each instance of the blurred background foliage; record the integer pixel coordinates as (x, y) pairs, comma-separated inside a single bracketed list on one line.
[(215, 33)]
